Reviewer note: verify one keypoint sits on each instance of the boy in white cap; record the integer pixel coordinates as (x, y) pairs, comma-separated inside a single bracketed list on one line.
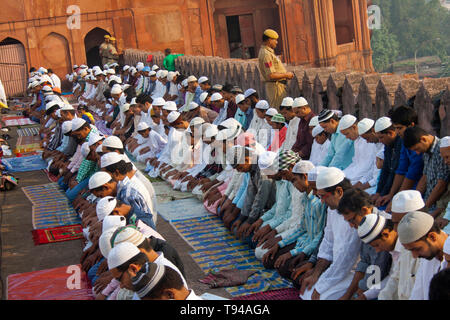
[(341, 150), (319, 148), (286, 109), (419, 233), (392, 148), (152, 143), (196, 110), (218, 102), (340, 246), (354, 206), (258, 125)]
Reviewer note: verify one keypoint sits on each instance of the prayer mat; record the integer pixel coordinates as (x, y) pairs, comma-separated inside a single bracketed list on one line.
[(17, 121), (215, 248), (51, 208), (281, 294), (22, 164), (182, 209), (26, 144), (63, 283), (28, 131), (57, 234)]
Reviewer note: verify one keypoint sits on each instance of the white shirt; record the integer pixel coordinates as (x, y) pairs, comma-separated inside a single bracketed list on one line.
[(160, 90), (174, 139), (56, 81), (340, 245), (193, 296), (161, 260), (402, 275), (291, 134), (319, 152), (427, 269), (154, 141), (261, 130), (222, 114), (361, 168)]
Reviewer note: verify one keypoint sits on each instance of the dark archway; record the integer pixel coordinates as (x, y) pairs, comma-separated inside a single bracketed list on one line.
[(13, 67), (92, 42)]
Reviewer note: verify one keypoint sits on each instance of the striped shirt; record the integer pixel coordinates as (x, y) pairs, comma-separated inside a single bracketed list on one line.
[(311, 228), (133, 192)]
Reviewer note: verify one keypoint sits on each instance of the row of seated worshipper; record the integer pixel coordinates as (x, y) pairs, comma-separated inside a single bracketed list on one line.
[(297, 187)]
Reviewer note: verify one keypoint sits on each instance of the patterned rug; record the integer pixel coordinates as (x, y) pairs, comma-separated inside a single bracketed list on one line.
[(22, 164), (215, 248), (281, 294), (28, 131), (63, 283), (57, 234), (101, 125), (182, 209), (28, 144), (17, 121), (51, 208)]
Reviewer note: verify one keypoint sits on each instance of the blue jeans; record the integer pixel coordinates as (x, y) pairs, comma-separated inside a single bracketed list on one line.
[(63, 185), (73, 193), (93, 270)]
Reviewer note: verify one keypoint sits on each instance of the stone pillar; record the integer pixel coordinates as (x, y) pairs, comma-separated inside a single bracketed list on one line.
[(325, 33)]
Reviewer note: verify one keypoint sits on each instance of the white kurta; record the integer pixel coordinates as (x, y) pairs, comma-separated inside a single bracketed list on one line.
[(56, 81), (291, 134), (319, 152), (160, 90), (340, 245), (361, 168), (402, 275), (156, 144), (261, 130)]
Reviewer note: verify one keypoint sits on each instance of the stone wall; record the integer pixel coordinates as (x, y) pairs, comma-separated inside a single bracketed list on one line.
[(364, 95)]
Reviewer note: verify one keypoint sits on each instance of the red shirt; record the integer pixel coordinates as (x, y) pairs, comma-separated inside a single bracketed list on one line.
[(278, 139)]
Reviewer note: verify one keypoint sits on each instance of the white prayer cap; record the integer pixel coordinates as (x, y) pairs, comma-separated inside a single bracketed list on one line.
[(142, 126), (113, 142), (163, 74), (407, 201), (126, 67), (196, 121), (216, 97), (271, 112), (51, 104), (67, 107), (184, 83), (110, 158), (113, 222), (346, 122), (111, 71), (140, 67), (317, 130), (159, 102), (249, 92), (98, 72), (203, 96), (191, 79), (35, 83), (133, 71), (413, 226), (329, 177), (121, 253), (133, 102), (124, 107), (128, 234), (155, 67), (202, 79), (233, 129), (98, 179), (105, 206), (46, 89), (174, 115), (193, 105), (211, 131), (152, 73), (262, 104), (125, 86), (170, 75), (266, 163), (170, 106), (299, 102), (370, 227), (116, 89), (104, 242), (94, 138), (58, 113), (380, 154), (77, 123), (239, 98), (85, 149), (83, 66), (66, 126), (75, 66), (445, 142), (303, 166), (382, 124), (82, 72), (312, 175), (447, 246), (365, 125), (42, 70), (287, 102)]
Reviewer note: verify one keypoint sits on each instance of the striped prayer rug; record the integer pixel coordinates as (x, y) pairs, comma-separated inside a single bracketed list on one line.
[(215, 248)]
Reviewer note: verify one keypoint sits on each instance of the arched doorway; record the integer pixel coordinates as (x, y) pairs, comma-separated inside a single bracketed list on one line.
[(92, 42), (13, 67), (55, 51)]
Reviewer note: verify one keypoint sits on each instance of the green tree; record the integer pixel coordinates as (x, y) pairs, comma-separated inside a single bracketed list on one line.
[(385, 48)]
